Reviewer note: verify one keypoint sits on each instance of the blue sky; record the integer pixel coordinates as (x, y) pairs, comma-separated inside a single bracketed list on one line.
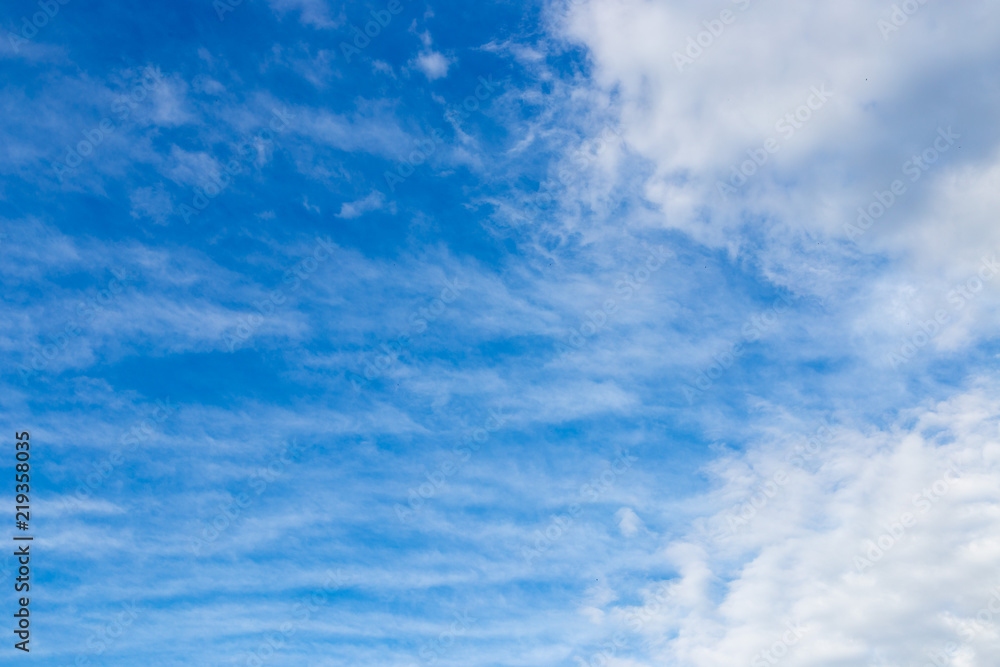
[(443, 344)]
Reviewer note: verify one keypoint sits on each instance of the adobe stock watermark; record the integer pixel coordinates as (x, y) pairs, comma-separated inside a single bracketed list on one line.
[(743, 513), (704, 40), (656, 601), (30, 27), (223, 7), (968, 630), (425, 148), (433, 651), (566, 175), (419, 321), (246, 149), (293, 278), (122, 108), (899, 16), (780, 648), (422, 149), (630, 285), (303, 611), (457, 113), (914, 168), (607, 651), (256, 484), (361, 39), (786, 126), (592, 491), (752, 330), (895, 530), (140, 432), (417, 496), (105, 636), (86, 312), (958, 297)]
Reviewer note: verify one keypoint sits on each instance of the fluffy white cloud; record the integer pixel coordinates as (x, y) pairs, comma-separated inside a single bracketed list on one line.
[(849, 547), (629, 522), (831, 103), (434, 65)]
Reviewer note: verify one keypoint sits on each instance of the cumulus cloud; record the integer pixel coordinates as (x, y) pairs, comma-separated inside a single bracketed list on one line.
[(843, 547), (730, 122), (434, 65), (629, 522)]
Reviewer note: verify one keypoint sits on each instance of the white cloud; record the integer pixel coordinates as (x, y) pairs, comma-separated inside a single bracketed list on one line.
[(192, 168), (373, 202), (170, 102), (694, 112), (876, 545), (315, 13), (434, 65), (629, 522)]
